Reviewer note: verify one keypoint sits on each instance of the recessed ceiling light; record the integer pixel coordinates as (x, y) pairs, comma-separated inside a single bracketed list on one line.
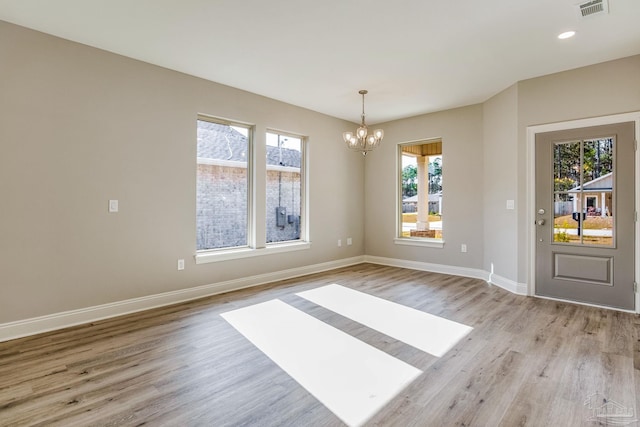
[(566, 35)]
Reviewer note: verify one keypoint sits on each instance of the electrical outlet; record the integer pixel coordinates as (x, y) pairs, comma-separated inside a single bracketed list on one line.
[(180, 264), (349, 241), (463, 247), (339, 242)]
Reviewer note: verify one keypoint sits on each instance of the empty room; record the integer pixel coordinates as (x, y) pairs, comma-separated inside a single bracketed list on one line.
[(338, 213)]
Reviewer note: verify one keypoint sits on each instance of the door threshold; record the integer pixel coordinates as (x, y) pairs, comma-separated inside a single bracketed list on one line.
[(586, 304)]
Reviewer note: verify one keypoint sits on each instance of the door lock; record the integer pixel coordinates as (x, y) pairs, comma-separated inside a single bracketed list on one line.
[(540, 222)]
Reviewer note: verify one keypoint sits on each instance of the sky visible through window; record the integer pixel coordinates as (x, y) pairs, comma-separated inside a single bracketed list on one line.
[(286, 141), (243, 131)]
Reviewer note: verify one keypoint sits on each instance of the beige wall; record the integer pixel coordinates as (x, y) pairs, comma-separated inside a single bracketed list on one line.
[(500, 152), (80, 126), (599, 90), (461, 133)]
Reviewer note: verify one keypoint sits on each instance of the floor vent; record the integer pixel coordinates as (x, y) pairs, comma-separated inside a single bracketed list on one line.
[(593, 7)]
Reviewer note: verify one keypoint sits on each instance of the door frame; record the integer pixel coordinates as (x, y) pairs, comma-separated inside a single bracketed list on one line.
[(531, 191)]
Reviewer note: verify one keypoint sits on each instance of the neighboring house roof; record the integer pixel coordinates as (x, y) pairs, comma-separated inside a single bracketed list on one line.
[(223, 142), (283, 156), (602, 183)]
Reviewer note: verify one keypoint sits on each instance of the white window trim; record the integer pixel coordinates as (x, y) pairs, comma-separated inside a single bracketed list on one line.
[(217, 255), (218, 162), (420, 241)]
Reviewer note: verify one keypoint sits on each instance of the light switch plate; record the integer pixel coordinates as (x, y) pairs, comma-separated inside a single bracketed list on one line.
[(511, 204), (113, 206)]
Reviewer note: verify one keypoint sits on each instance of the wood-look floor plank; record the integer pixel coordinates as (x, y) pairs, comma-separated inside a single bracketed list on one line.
[(527, 362)]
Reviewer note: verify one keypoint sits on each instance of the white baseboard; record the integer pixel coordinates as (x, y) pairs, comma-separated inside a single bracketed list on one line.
[(36, 325), (508, 284), (476, 273), (426, 266)]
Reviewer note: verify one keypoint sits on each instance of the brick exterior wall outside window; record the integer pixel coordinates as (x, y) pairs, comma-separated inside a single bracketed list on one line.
[(221, 204), (283, 190)]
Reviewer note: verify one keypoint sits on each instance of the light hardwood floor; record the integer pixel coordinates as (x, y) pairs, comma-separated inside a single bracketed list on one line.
[(527, 362)]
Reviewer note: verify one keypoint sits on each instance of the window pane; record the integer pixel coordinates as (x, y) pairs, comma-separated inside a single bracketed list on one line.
[(566, 165), (584, 193), (565, 227), (421, 195), (222, 190), (597, 194), (284, 187)]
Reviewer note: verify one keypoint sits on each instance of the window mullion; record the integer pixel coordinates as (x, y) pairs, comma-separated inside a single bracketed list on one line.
[(259, 189)]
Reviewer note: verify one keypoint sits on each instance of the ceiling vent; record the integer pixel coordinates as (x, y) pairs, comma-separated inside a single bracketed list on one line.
[(593, 7)]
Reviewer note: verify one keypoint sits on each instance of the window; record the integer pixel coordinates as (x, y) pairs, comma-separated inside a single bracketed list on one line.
[(420, 190), (284, 156), (230, 216), (584, 192), (223, 184)]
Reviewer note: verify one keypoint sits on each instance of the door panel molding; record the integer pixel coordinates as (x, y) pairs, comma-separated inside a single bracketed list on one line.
[(531, 186), (583, 268)]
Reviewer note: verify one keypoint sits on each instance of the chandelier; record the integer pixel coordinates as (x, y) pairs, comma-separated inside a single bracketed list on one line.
[(361, 140)]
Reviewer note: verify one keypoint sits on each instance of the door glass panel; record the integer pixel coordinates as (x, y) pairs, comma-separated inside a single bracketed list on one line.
[(566, 165), (583, 192), (598, 191), (564, 230)]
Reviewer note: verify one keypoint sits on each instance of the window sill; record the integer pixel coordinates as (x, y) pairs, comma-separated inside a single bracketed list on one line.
[(423, 241), (225, 255)]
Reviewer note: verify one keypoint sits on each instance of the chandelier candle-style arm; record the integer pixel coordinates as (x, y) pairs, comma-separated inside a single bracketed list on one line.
[(361, 140)]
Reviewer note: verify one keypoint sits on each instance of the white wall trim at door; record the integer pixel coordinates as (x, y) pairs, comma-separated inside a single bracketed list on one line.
[(36, 325), (531, 189)]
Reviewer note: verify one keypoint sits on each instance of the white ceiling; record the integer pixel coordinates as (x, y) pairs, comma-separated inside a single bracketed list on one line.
[(414, 56)]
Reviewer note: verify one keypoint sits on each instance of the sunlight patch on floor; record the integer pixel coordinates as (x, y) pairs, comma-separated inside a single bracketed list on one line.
[(432, 334), (351, 378)]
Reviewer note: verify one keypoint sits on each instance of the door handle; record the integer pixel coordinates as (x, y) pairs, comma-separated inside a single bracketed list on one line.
[(540, 222)]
